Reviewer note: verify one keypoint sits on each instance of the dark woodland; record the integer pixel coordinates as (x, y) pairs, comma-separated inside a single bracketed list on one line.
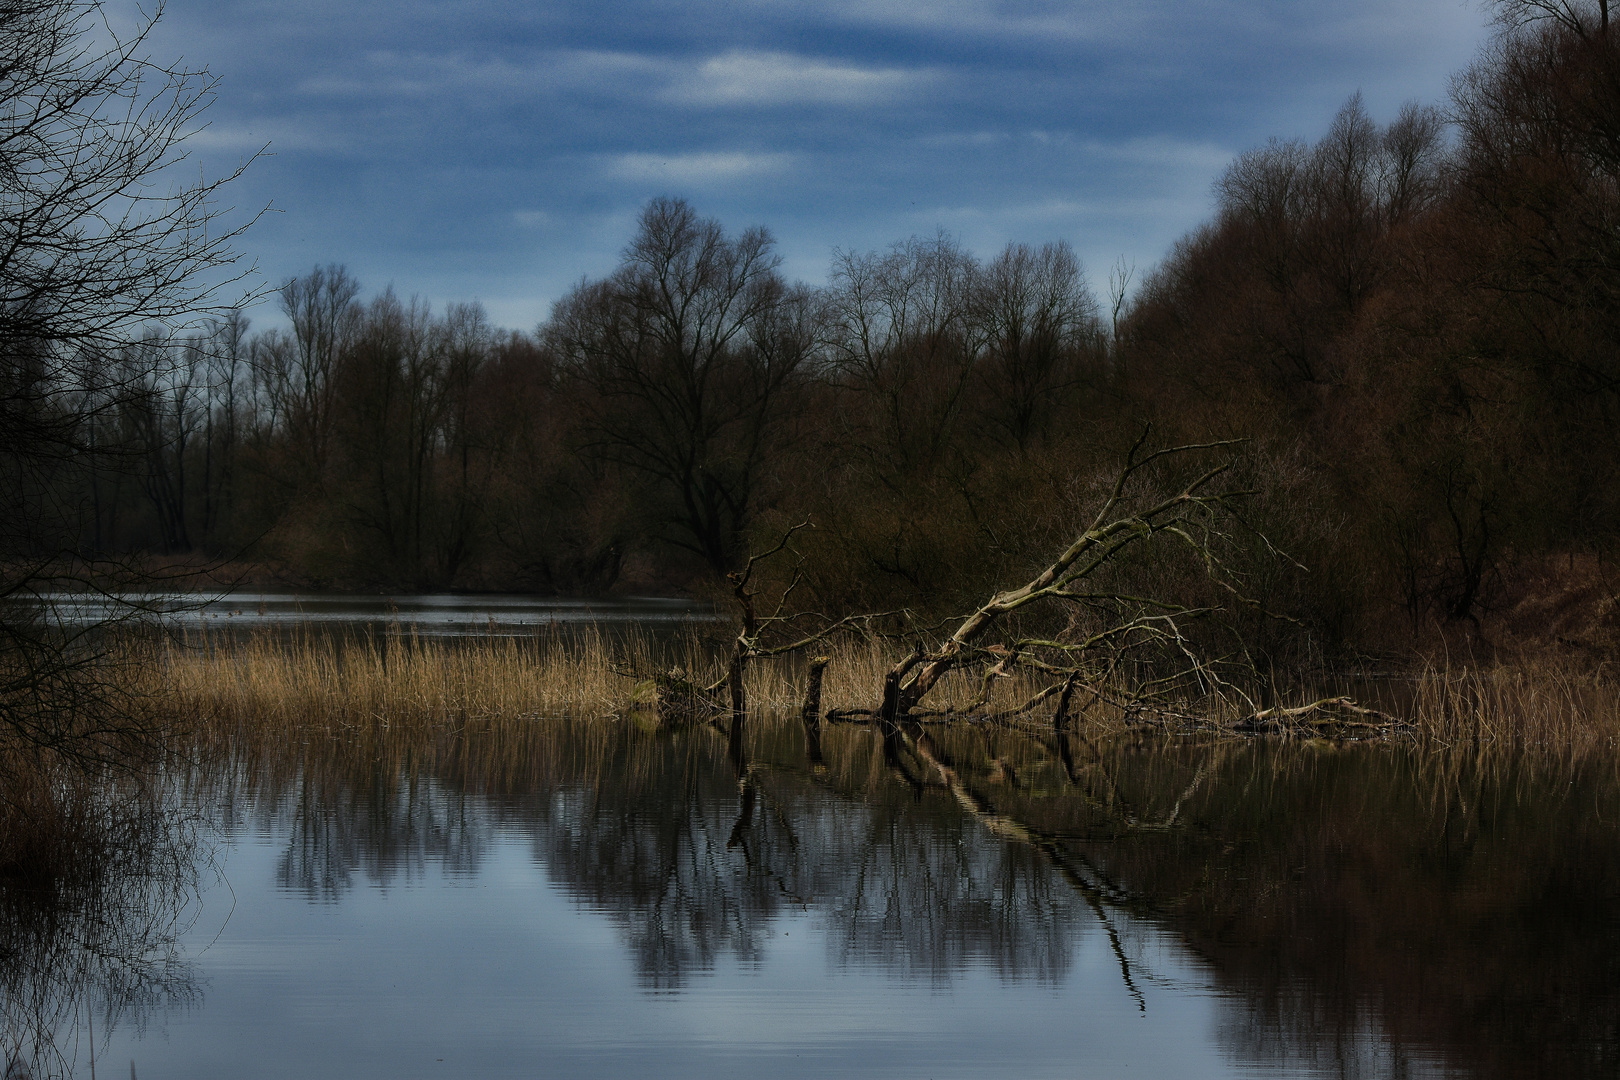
[(1042, 548), (1411, 330)]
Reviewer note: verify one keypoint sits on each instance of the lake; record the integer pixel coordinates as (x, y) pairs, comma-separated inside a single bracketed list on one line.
[(440, 615), (601, 898)]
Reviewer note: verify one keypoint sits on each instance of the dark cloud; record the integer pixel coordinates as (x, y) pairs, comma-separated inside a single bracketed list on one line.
[(501, 149)]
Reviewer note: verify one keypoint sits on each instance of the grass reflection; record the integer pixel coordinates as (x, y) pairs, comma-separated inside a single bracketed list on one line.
[(98, 879), (1356, 900), (1365, 906)]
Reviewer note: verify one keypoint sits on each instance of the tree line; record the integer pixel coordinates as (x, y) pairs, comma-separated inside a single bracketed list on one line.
[(649, 426), (1411, 326)]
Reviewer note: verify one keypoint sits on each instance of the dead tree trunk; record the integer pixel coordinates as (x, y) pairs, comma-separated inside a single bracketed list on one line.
[(810, 714), (1111, 533)]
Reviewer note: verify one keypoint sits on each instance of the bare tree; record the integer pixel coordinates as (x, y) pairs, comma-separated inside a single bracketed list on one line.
[(1584, 18), (224, 349), (1116, 645), (903, 338), (691, 351), (163, 405), (1041, 325), (325, 318), (101, 242), (1119, 287), (465, 342), (1409, 169)]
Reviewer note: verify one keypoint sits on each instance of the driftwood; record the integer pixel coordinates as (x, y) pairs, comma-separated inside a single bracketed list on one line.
[(810, 713), (1329, 715), (674, 700), (1137, 655), (755, 634), (1104, 666), (1137, 624), (1338, 717)]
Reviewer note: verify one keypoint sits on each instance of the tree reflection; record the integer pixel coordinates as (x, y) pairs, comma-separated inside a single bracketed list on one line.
[(1371, 910), (1374, 910), (699, 862), (395, 826), (94, 947), (350, 812)]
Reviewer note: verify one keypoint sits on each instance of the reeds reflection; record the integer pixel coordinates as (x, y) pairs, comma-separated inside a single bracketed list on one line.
[(691, 848), (1361, 909), (90, 943)]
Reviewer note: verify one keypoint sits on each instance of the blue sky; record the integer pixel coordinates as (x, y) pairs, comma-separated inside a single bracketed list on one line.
[(500, 150)]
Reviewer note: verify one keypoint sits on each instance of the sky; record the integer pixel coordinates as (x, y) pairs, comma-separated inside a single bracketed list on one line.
[(500, 150)]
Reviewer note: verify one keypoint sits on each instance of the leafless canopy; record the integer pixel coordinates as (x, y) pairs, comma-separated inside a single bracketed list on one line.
[(103, 242), (99, 234), (1583, 17)]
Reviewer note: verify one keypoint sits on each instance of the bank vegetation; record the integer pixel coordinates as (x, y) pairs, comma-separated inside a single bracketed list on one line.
[(322, 688), (1409, 324), (1365, 418)]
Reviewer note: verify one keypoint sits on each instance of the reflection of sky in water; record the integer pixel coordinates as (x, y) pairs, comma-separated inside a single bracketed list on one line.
[(433, 614), (504, 974), (603, 900)]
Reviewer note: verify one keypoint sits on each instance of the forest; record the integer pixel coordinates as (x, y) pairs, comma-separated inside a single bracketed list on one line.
[(1408, 333)]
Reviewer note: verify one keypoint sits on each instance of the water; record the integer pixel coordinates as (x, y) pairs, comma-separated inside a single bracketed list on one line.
[(600, 899), (438, 615)]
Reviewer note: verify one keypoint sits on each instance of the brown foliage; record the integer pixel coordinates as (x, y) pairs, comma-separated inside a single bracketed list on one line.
[(1413, 324)]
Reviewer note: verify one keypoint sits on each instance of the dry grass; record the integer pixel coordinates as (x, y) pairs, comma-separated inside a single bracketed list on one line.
[(319, 685), (316, 682), (64, 828), (1531, 704)]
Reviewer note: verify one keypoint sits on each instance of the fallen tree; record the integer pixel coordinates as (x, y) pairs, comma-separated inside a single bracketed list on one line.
[(1116, 645), (1119, 647), (1082, 633)]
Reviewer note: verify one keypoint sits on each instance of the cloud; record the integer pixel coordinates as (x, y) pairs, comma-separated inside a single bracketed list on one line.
[(729, 79), (964, 140), (247, 140), (1153, 151), (776, 78), (1045, 20), (600, 69), (1164, 152), (452, 144), (385, 74), (696, 168)]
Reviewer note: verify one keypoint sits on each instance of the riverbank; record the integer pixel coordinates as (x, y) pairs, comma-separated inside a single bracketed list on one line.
[(1317, 902), (316, 684)]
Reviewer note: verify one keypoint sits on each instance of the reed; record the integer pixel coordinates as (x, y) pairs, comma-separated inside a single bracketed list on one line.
[(314, 683), (322, 684), (1531, 704), (317, 685)]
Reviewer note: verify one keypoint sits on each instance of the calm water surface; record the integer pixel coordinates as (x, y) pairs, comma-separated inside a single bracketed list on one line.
[(601, 899), (422, 614)]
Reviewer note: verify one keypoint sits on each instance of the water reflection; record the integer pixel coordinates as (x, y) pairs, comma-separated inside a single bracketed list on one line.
[(1359, 910), (97, 948), (396, 826), (699, 862), (693, 848), (1369, 907), (436, 615)]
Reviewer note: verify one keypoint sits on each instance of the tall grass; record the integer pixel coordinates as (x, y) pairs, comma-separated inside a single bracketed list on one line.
[(318, 683), (1534, 703), (315, 684)]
